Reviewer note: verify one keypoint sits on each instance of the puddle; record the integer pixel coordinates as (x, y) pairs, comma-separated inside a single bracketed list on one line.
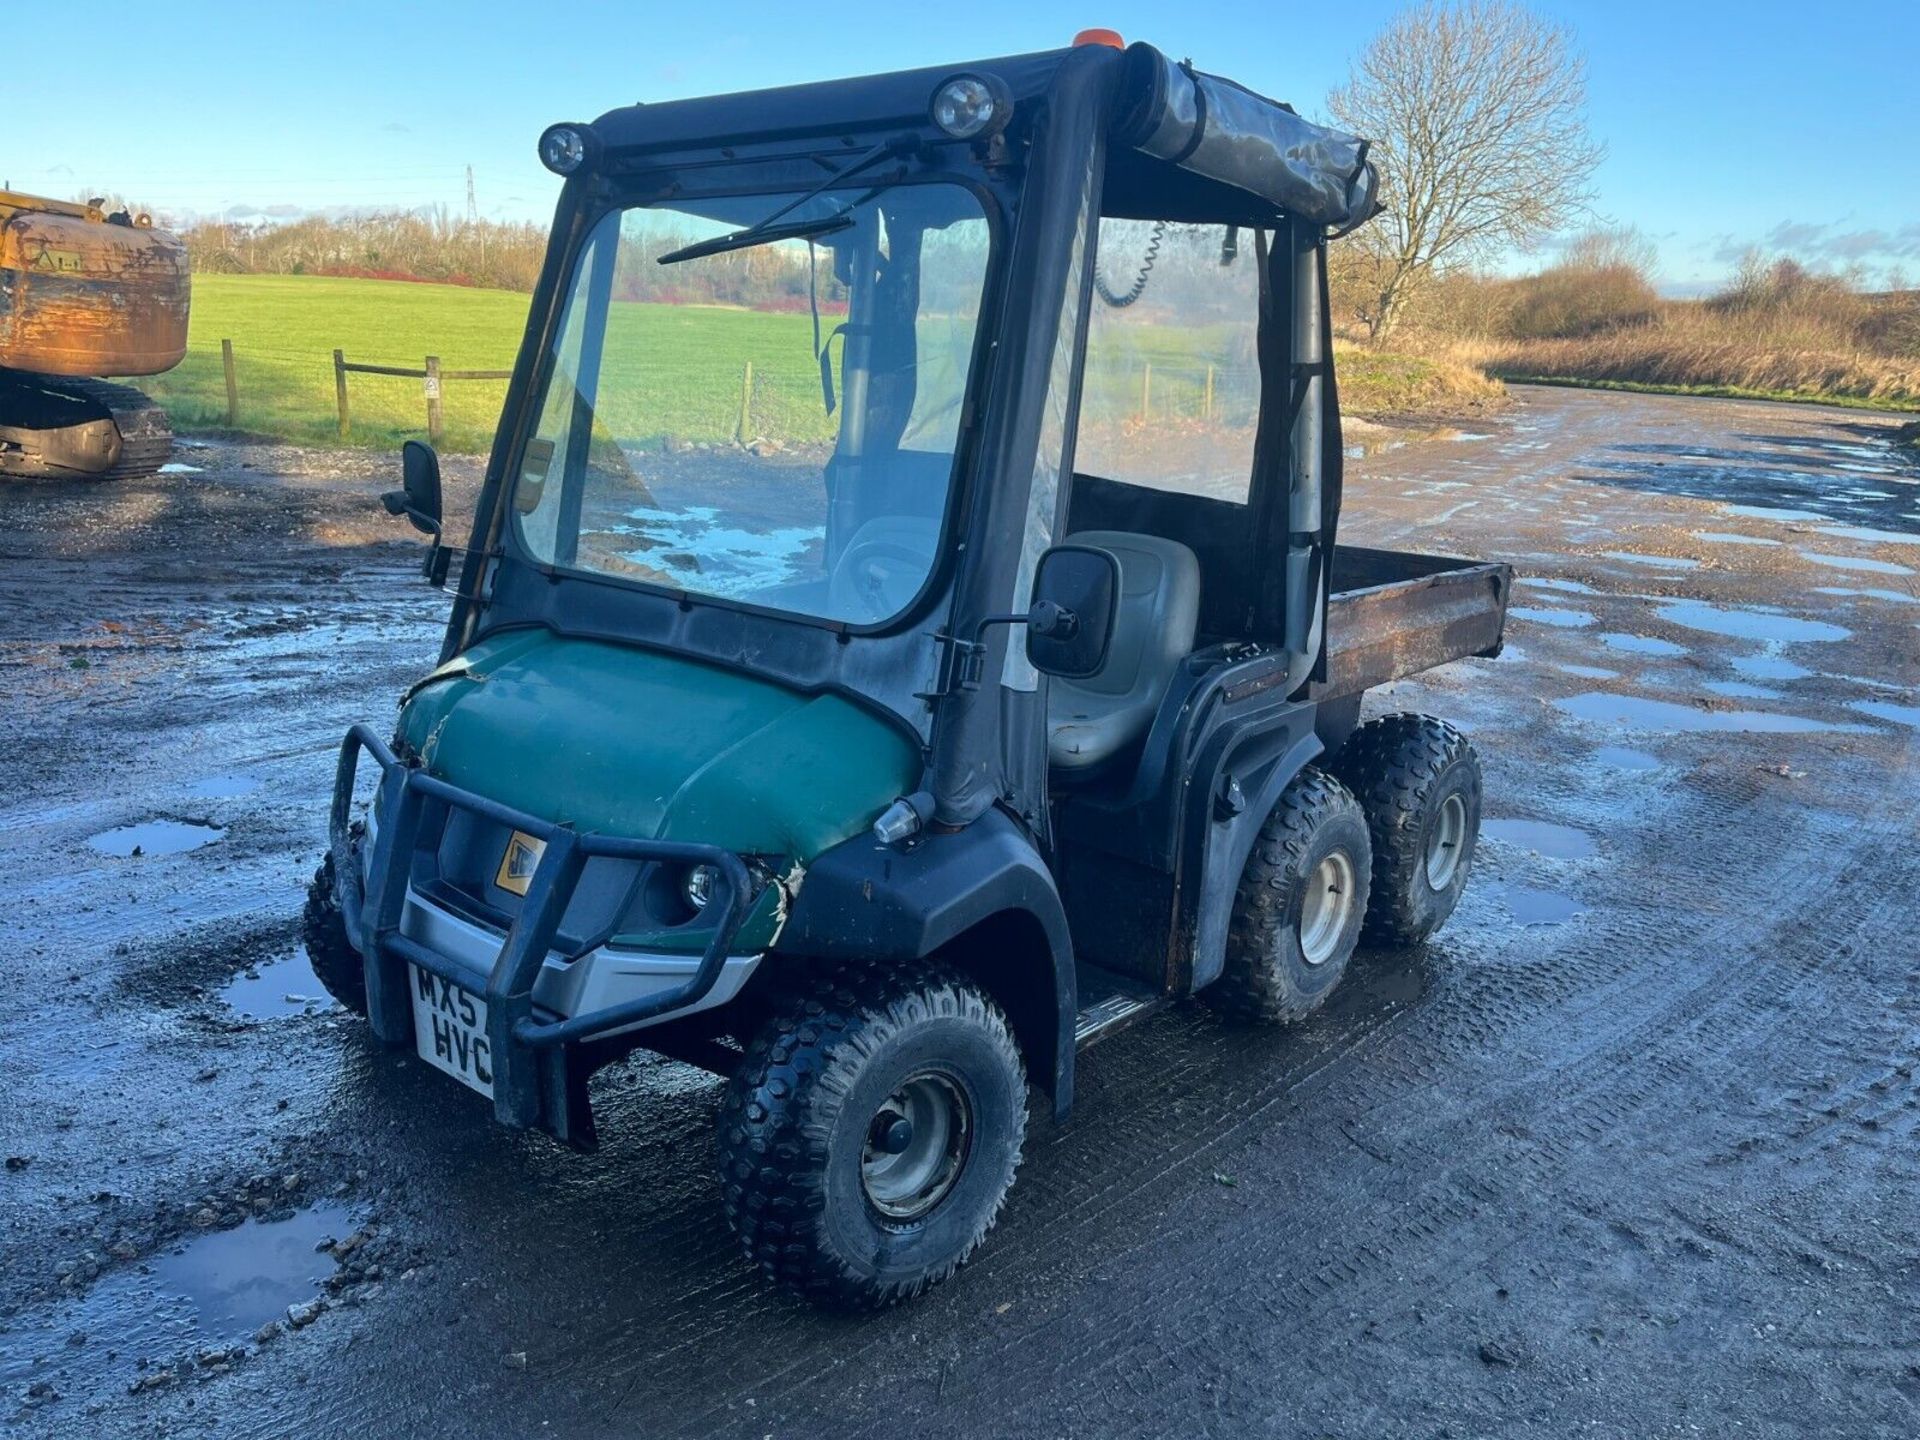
[(1530, 906), (1562, 619), (1659, 562), (156, 837), (175, 467), (1892, 597), (1748, 624), (1727, 537), (1542, 837), (1396, 985), (1887, 710), (1643, 644), (1621, 757), (1768, 512), (286, 986), (220, 787), (1870, 535), (215, 1289), (1856, 562), (1589, 672), (1636, 712), (1740, 690), (1769, 667), (1548, 582)]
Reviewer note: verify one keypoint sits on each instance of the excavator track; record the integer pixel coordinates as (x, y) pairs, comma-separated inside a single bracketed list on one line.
[(59, 428)]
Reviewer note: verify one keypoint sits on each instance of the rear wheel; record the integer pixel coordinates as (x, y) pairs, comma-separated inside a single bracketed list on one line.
[(869, 1138), (1300, 905), (324, 931), (1419, 781)]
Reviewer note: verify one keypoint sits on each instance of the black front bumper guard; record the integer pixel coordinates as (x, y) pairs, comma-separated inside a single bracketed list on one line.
[(537, 1082)]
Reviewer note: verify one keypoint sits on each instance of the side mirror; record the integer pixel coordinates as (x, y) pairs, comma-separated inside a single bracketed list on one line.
[(1076, 592), (419, 499)]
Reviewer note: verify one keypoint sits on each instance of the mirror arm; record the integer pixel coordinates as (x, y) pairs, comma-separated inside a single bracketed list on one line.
[(988, 621)]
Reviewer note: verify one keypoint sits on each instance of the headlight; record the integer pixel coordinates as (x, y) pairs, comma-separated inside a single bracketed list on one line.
[(697, 888), (563, 149), (967, 107)]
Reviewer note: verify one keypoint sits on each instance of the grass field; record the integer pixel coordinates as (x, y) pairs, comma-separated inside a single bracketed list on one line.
[(689, 362)]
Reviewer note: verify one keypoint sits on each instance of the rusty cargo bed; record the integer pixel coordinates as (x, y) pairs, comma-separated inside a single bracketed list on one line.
[(1394, 613)]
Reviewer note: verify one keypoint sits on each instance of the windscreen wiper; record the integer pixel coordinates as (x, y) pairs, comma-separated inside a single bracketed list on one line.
[(765, 232), (761, 234)]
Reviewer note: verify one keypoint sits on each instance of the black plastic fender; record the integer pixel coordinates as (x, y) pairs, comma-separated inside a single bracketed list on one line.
[(1261, 766), (862, 899)]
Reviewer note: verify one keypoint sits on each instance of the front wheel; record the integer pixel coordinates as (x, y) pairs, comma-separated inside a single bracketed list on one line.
[(324, 931), (870, 1135)]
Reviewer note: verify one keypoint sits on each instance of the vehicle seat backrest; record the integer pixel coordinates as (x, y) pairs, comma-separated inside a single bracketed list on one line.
[(1092, 719)]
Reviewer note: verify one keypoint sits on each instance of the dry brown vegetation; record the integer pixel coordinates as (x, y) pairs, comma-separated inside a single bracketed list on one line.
[(1777, 329)]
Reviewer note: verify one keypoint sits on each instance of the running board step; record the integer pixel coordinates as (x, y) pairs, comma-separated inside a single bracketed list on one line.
[(1111, 1015)]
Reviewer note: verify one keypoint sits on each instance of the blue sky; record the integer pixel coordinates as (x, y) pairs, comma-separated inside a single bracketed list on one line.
[(1727, 124)]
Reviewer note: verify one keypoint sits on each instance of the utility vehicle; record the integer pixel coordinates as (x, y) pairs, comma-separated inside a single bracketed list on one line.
[(902, 639)]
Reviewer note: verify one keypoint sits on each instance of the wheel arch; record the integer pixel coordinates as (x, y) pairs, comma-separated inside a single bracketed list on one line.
[(1264, 766), (980, 897), (1002, 953)]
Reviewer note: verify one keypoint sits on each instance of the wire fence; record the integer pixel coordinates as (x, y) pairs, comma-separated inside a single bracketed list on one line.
[(690, 397)]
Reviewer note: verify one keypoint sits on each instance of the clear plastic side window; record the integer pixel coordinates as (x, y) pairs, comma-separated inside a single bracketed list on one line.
[(1171, 395)]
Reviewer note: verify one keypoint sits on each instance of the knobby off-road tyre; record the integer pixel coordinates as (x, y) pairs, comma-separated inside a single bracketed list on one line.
[(869, 1137), (1418, 779), (333, 958), (1301, 902)]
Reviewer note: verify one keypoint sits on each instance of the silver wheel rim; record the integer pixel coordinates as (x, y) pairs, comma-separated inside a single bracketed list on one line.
[(1324, 910), (1445, 841), (916, 1146)]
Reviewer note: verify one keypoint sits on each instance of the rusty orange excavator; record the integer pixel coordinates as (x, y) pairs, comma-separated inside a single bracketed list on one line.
[(85, 294)]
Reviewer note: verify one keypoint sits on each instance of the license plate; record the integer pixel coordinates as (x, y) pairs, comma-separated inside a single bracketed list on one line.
[(450, 1030)]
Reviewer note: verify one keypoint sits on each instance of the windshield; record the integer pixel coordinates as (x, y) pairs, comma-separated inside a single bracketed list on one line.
[(773, 425)]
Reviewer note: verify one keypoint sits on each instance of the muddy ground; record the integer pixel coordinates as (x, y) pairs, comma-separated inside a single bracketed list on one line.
[(1629, 1150)]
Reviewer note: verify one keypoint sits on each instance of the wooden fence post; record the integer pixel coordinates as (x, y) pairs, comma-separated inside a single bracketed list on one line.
[(746, 401), (433, 398), (1146, 391), (1207, 410), (340, 390), (233, 387)]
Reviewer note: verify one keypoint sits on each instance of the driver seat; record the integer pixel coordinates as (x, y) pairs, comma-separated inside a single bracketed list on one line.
[(1091, 720)]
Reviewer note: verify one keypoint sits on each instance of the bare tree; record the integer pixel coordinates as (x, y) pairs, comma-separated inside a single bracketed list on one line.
[(1477, 114)]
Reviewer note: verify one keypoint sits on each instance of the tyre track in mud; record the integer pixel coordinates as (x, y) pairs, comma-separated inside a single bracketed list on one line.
[(1574, 1113), (1599, 985), (1617, 1069), (1616, 1014)]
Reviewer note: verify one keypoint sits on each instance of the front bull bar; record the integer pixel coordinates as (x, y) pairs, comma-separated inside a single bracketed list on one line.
[(534, 1085)]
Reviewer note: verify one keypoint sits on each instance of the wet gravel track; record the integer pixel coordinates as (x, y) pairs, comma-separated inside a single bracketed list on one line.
[(1629, 1149)]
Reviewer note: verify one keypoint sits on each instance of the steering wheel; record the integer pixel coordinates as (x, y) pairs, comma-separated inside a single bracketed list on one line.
[(880, 573)]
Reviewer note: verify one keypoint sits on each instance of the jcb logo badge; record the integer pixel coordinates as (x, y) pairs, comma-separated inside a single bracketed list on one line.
[(520, 861)]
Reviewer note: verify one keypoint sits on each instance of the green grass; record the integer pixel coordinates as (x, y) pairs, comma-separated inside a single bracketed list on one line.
[(682, 365), (1711, 392), (285, 329)]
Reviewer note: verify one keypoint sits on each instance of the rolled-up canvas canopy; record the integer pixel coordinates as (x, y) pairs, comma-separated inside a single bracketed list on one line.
[(1226, 133)]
